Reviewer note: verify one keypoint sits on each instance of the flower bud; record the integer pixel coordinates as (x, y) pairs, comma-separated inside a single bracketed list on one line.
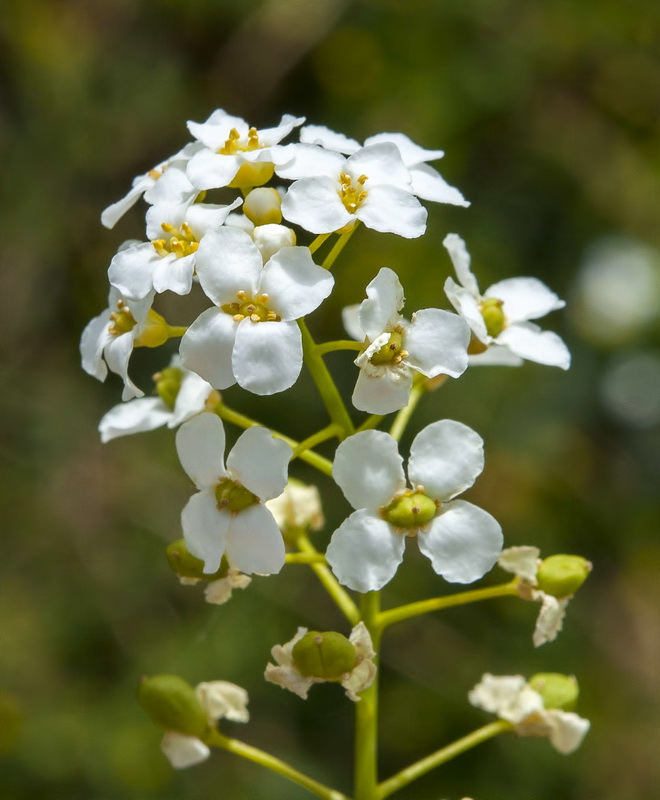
[(557, 690), (172, 704), (184, 563), (561, 575), (411, 510), (324, 655), (263, 206), (270, 239), (168, 383)]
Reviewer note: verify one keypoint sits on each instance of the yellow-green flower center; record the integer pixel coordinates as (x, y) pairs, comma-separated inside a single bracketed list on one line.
[(181, 241), (324, 655), (391, 352), (234, 144), (256, 310), (233, 497), (168, 382), (122, 321), (491, 311), (352, 192), (410, 510)]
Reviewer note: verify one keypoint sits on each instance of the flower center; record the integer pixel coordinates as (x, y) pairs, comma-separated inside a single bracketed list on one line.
[(233, 497), (235, 144), (122, 321), (168, 382), (326, 655), (410, 510), (255, 310), (392, 351), (352, 193), (491, 311), (181, 242)]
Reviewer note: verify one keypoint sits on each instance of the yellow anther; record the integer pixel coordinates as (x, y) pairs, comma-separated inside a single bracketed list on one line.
[(160, 245), (350, 193), (154, 173), (167, 227), (241, 295), (255, 318), (271, 316), (253, 139), (238, 317), (362, 179), (263, 298), (177, 247), (186, 230)]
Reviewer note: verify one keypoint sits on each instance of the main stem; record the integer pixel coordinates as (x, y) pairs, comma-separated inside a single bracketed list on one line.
[(366, 713)]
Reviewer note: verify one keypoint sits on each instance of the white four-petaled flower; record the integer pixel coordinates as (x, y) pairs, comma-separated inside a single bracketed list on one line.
[(227, 516), (462, 541)]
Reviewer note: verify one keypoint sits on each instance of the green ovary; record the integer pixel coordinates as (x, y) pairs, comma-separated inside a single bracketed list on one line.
[(410, 510), (491, 311), (390, 350), (231, 496)]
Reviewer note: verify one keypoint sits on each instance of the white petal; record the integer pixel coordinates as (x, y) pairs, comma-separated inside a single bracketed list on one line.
[(173, 185), (311, 162), (191, 398), (271, 136), (428, 184), (467, 305), (382, 164), (364, 552), (200, 445), (521, 561), (527, 341), (461, 261), (566, 730), (368, 469), (209, 170), (131, 270), (495, 356), (204, 217), (183, 751), (259, 462), (267, 356), (380, 311), (113, 213), (254, 542), (463, 542), (445, 458), (172, 274), (524, 298), (117, 354), (92, 342), (508, 696), (382, 394), (351, 320), (315, 205), (136, 416), (437, 343), (228, 261), (223, 700), (550, 619), (324, 137), (215, 131), (205, 529), (411, 153), (390, 209), (294, 283), (206, 347)]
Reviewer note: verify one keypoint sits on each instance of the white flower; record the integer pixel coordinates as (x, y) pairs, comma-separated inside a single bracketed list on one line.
[(167, 261), (427, 183), (236, 155), (514, 700), (250, 337), (227, 516), (181, 395), (434, 343), (501, 316), (108, 340), (298, 506), (331, 191), (166, 181), (220, 700), (462, 541), (358, 649)]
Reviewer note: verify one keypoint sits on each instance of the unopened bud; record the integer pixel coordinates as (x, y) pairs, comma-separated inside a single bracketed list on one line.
[(168, 383), (186, 565), (270, 239), (561, 575), (263, 206), (557, 690), (326, 655), (172, 704)]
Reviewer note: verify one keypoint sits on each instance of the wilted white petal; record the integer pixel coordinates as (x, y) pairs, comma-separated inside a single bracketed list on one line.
[(550, 619), (220, 591), (183, 751), (259, 462), (521, 561), (437, 343), (566, 730), (524, 298), (205, 529), (369, 469), (267, 356), (136, 416), (223, 700), (528, 341), (508, 696), (254, 542)]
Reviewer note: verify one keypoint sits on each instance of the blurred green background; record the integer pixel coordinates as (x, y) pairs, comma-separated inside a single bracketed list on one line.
[(548, 115)]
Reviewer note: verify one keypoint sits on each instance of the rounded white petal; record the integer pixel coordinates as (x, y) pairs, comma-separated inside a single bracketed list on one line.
[(200, 445), (267, 356), (461, 261), (463, 542), (380, 311), (206, 347), (428, 184), (204, 218), (183, 751), (445, 458), (136, 416), (209, 170), (315, 205), (172, 274), (294, 283), (411, 153), (310, 161), (205, 529), (350, 318), (324, 137), (528, 341), (131, 270), (524, 298), (390, 209), (382, 164), (566, 730), (228, 261), (368, 469), (259, 462), (191, 398), (437, 343), (364, 552), (223, 700), (254, 542), (92, 342), (382, 393)]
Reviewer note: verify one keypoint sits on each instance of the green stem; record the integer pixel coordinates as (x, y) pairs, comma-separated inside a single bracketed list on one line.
[(314, 246), (387, 618), (403, 417), (341, 598), (275, 764), (425, 765), (305, 558), (338, 246), (366, 712), (173, 331), (326, 386), (339, 344), (228, 414), (370, 422), (323, 435)]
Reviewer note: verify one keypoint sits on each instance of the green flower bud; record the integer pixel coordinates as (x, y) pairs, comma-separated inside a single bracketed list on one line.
[(390, 350), (168, 383), (562, 575), (184, 563), (324, 655), (491, 311), (172, 704), (411, 510), (231, 496), (557, 690)]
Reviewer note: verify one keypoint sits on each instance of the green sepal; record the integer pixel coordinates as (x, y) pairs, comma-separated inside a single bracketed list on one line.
[(172, 705), (186, 565)]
